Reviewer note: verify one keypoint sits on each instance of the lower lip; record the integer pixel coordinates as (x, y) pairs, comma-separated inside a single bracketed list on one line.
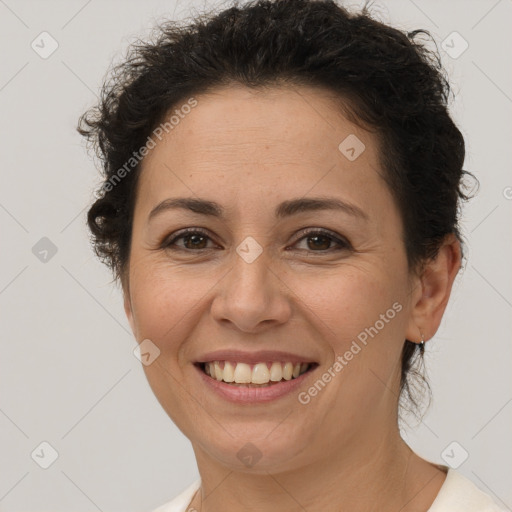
[(245, 395)]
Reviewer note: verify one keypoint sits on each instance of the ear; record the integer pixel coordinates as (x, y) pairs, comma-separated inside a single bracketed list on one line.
[(128, 309), (433, 289)]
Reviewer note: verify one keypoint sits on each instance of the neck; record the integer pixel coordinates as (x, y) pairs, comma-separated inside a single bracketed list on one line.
[(383, 474)]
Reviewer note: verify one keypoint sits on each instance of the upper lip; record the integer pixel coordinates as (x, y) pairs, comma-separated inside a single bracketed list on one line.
[(259, 356)]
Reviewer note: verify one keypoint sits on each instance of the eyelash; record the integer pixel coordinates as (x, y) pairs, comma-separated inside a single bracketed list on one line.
[(306, 233)]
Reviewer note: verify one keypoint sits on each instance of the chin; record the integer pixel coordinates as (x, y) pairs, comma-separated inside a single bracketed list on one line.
[(258, 448)]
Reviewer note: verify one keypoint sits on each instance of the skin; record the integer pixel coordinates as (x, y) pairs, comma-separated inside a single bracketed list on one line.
[(249, 151)]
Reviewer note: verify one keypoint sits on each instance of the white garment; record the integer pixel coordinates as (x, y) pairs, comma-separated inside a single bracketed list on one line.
[(457, 494)]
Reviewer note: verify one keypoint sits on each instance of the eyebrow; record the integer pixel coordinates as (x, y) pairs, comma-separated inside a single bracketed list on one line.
[(283, 210)]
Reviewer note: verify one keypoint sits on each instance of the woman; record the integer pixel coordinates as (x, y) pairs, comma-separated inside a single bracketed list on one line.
[(280, 198)]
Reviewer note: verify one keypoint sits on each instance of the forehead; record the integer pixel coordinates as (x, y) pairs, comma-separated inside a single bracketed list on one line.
[(297, 121), (243, 145)]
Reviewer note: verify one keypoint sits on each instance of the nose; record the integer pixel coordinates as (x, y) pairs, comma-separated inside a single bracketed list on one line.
[(252, 297)]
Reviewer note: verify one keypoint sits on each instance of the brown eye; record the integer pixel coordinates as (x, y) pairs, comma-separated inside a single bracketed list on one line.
[(321, 241), (193, 239)]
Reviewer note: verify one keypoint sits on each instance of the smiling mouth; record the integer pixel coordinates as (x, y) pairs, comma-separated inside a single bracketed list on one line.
[(258, 375)]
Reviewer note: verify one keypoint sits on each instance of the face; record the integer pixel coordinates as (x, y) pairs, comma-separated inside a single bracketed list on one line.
[(269, 273)]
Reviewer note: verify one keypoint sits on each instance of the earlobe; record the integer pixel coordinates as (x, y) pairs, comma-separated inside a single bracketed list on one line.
[(436, 284), (128, 310)]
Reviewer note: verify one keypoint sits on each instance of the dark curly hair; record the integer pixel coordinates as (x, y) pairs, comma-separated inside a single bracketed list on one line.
[(386, 80)]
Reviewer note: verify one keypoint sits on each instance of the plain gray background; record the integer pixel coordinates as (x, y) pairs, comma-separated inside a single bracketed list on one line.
[(68, 375)]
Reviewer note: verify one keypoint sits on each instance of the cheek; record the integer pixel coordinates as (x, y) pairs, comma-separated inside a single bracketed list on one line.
[(341, 303), (163, 304), (344, 302), (359, 317)]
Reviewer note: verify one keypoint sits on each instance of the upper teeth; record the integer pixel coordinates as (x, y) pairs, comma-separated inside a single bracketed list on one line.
[(243, 373)]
